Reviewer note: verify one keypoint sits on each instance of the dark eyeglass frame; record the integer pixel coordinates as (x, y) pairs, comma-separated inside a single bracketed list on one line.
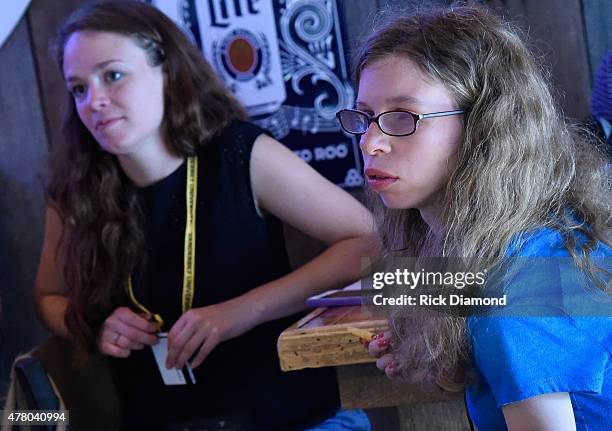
[(376, 119)]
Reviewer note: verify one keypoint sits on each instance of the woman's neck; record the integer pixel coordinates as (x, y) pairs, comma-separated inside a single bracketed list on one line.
[(431, 215), (148, 167), (433, 245)]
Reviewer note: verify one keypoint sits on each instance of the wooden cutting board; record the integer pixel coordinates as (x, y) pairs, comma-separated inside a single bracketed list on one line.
[(328, 337)]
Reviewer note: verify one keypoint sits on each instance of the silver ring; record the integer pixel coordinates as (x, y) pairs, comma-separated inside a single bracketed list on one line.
[(117, 336)]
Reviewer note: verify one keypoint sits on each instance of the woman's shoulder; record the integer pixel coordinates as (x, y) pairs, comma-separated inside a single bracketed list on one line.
[(550, 242), (522, 357), (233, 143), (239, 132), (542, 241)]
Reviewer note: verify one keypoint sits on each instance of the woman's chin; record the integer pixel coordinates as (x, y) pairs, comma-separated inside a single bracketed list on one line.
[(393, 202), (115, 147)]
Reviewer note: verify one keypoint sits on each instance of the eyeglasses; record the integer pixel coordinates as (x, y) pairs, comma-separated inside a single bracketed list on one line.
[(392, 123)]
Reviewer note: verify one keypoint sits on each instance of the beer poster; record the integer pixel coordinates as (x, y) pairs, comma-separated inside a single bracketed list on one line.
[(284, 60)]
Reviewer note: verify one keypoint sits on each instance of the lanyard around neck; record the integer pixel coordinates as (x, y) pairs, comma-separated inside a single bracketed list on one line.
[(191, 195)]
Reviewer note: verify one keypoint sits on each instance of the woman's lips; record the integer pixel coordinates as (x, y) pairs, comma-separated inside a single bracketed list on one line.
[(105, 124), (379, 180)]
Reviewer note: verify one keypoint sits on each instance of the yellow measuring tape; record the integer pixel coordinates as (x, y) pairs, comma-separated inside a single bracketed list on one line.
[(191, 196)]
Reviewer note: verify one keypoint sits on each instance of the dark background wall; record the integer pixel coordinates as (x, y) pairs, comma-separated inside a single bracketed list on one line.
[(23, 147), (571, 37)]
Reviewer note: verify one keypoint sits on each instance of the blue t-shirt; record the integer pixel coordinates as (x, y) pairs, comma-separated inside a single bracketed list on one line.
[(518, 356)]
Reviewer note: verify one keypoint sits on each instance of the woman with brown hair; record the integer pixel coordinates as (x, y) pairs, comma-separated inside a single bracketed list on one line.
[(165, 210), (472, 161)]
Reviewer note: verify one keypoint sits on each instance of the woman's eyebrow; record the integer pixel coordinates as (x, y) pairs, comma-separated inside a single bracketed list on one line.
[(96, 67), (395, 100), (404, 99)]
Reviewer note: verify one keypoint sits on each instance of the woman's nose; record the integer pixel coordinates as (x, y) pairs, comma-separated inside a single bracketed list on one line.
[(97, 98), (374, 141)]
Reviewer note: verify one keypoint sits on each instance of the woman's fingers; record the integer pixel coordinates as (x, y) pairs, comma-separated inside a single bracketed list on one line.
[(117, 351), (136, 321), (124, 331), (387, 364), (380, 347), (107, 345), (182, 343), (198, 330), (124, 342), (380, 344), (384, 361), (132, 326), (189, 349), (209, 344)]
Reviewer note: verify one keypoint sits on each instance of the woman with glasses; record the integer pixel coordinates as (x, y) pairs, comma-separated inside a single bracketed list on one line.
[(471, 160), (165, 211)]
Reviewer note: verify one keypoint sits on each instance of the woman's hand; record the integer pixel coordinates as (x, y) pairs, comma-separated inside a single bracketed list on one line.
[(201, 330), (124, 331), (380, 347), (386, 361)]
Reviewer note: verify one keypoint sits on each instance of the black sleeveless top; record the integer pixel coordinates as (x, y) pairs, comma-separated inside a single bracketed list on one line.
[(236, 251)]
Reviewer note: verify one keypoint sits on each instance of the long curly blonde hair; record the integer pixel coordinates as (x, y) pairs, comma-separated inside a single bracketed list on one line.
[(520, 167)]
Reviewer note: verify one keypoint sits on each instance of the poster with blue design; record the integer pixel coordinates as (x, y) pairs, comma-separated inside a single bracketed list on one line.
[(284, 60)]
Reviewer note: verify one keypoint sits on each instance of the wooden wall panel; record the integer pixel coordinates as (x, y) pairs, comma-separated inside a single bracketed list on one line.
[(598, 23), (44, 18), (558, 35), (357, 19), (31, 95), (23, 149)]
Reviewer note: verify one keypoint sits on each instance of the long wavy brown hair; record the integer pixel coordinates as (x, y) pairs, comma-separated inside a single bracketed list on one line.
[(519, 168), (102, 223)]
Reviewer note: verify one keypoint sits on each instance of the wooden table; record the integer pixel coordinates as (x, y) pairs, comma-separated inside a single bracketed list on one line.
[(326, 338)]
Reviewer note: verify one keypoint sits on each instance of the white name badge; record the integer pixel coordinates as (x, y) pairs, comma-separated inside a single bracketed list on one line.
[(170, 376)]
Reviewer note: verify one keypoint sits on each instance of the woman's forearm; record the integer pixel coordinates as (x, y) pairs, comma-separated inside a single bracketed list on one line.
[(51, 310), (336, 267)]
